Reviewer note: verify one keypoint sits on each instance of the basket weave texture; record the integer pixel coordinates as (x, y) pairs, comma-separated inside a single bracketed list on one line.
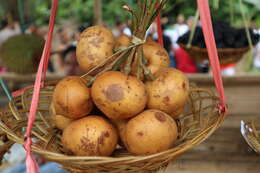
[(251, 132), (226, 55), (199, 120), (5, 143)]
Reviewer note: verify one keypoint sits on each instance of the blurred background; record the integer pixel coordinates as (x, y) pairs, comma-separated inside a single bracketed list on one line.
[(178, 18)]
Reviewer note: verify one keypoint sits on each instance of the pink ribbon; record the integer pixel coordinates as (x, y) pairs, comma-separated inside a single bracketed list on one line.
[(207, 28), (31, 164)]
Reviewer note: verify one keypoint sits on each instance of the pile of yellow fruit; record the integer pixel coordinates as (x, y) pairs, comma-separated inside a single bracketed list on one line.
[(118, 108)]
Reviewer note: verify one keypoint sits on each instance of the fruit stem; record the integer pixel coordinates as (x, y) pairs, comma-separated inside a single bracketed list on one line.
[(129, 61), (139, 57), (110, 58), (121, 57), (116, 65), (91, 80), (147, 73)]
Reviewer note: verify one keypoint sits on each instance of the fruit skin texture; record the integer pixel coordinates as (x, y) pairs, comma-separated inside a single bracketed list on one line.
[(150, 132), (71, 98), (59, 121), (96, 44), (156, 55), (119, 96), (123, 41), (90, 136), (169, 92)]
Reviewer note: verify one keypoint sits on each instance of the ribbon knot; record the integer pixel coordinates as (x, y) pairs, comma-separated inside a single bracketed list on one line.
[(222, 108), (137, 41)]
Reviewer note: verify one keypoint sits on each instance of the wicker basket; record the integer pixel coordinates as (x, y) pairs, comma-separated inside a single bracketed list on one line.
[(199, 120), (5, 143), (251, 133), (226, 55)]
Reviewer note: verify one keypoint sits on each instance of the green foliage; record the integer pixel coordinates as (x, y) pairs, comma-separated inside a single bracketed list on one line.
[(220, 10), (113, 10), (81, 11)]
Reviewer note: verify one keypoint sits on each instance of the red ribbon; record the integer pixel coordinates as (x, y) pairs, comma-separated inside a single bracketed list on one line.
[(41, 74), (21, 91), (159, 30), (207, 28)]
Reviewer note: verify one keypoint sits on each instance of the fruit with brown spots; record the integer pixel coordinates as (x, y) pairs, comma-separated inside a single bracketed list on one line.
[(119, 96), (96, 43), (150, 132), (71, 98), (169, 92), (156, 56), (59, 121), (90, 136)]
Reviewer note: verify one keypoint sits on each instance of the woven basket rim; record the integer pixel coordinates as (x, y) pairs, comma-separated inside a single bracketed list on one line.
[(249, 132), (220, 50), (176, 150)]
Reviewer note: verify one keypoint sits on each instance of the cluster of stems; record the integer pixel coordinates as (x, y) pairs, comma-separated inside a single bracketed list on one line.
[(125, 58)]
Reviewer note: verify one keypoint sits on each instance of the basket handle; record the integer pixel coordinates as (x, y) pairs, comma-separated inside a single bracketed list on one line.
[(31, 164), (203, 6)]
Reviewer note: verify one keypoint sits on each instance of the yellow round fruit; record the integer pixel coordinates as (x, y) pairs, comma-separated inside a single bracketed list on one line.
[(96, 43), (150, 132), (59, 121), (71, 98), (119, 96), (123, 41), (156, 56), (90, 136), (169, 92)]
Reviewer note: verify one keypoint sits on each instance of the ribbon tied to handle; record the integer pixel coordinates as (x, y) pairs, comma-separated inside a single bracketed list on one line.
[(31, 164)]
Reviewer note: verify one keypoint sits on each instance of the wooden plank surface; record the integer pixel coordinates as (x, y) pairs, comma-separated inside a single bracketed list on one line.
[(204, 166)]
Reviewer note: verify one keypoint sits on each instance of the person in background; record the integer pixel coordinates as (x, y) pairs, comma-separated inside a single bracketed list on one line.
[(33, 29), (121, 28), (117, 30), (126, 29), (168, 40), (77, 33), (8, 30), (71, 66), (64, 38), (183, 60), (190, 21), (181, 27)]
